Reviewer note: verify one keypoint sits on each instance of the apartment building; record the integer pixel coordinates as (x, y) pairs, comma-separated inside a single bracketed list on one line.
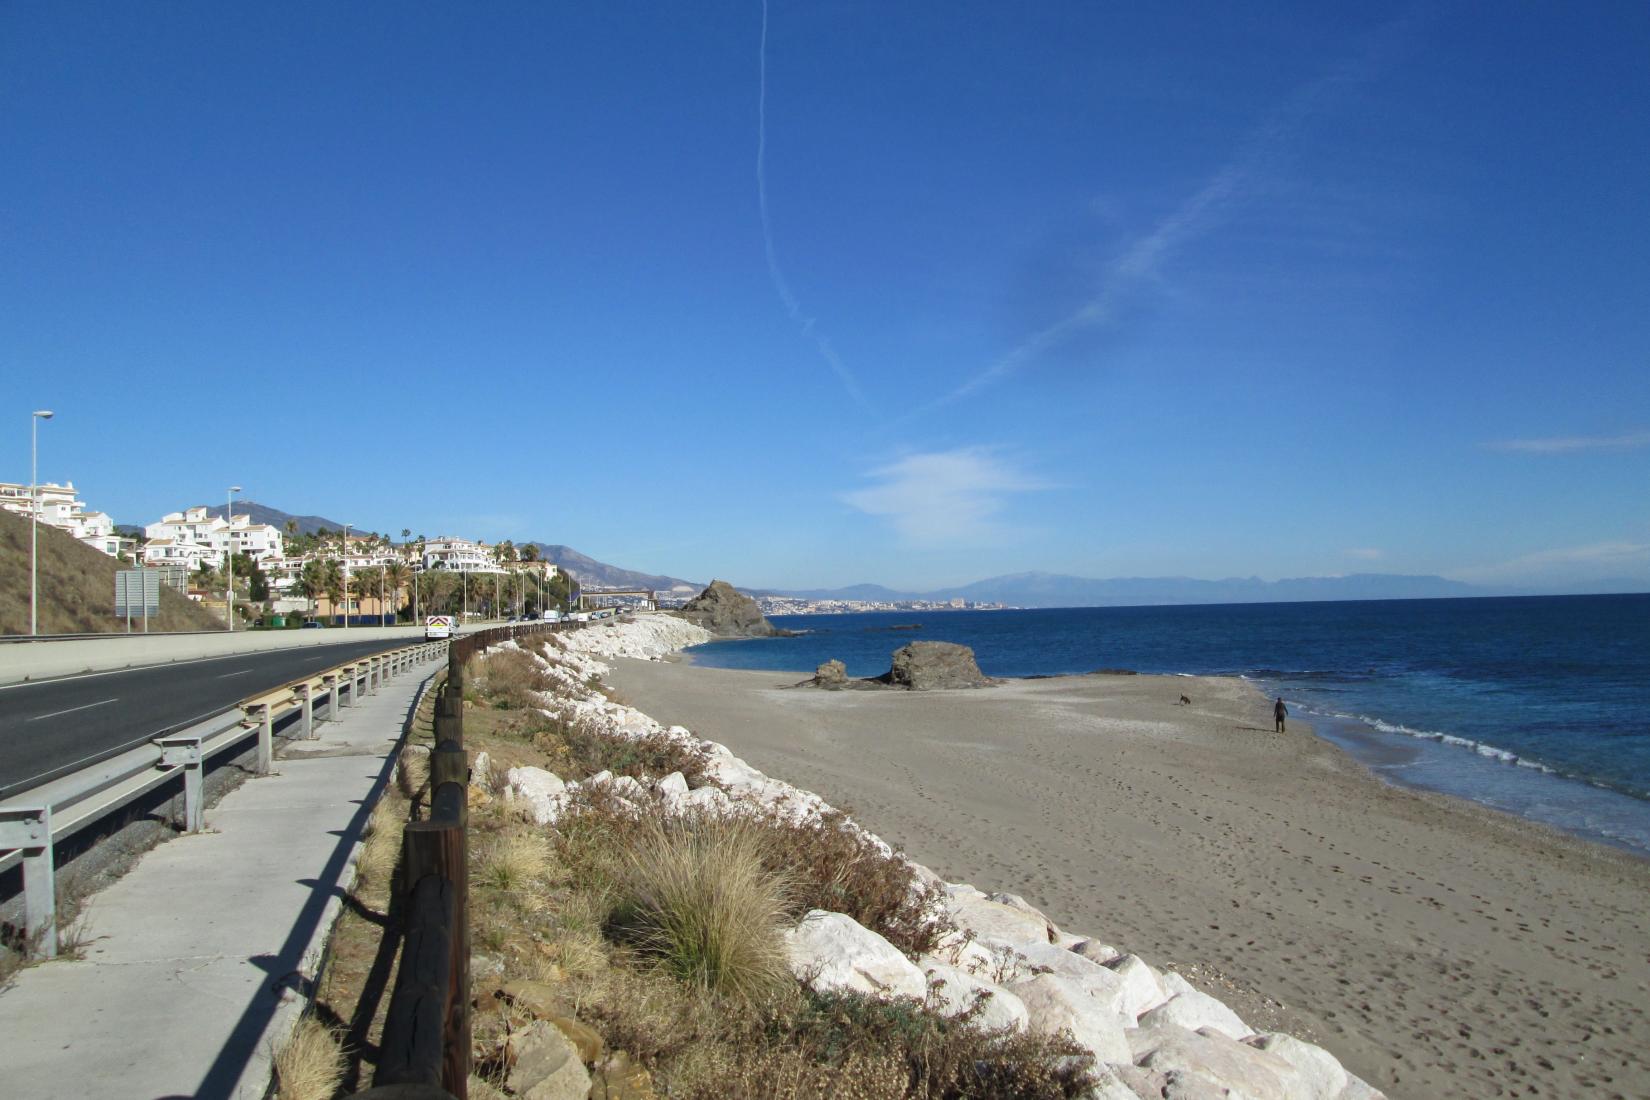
[(194, 536), (460, 556), (59, 506)]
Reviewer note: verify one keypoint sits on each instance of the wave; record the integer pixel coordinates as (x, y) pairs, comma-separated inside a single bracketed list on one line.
[(1482, 748)]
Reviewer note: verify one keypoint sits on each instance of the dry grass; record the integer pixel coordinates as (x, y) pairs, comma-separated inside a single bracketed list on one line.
[(653, 756), (381, 844), (699, 899), (506, 678), (516, 860), (310, 1065), (77, 587)]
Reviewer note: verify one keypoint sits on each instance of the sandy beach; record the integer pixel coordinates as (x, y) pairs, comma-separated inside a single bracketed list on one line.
[(1437, 948)]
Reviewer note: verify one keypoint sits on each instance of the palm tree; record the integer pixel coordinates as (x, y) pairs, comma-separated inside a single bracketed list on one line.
[(395, 575), (530, 552), (332, 583), (312, 582), (365, 583)]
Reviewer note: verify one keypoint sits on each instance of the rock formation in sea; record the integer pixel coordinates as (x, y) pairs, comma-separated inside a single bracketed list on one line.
[(726, 612)]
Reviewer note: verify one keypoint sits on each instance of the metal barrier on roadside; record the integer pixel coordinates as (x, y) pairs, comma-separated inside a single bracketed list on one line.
[(33, 821)]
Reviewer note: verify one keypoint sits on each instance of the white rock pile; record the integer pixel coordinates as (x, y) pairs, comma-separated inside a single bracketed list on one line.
[(1152, 1034)]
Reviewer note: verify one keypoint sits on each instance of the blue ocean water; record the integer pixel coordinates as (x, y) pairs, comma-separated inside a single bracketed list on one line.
[(1535, 705)]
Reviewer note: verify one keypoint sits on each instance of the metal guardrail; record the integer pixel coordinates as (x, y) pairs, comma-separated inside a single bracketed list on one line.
[(425, 1046), (33, 821)]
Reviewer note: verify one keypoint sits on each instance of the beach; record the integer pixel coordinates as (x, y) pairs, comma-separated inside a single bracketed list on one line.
[(1437, 948)]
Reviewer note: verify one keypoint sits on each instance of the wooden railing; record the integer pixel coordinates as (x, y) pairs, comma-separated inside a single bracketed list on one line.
[(424, 1053)]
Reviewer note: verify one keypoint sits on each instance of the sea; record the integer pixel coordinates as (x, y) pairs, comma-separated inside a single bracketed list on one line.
[(1538, 706)]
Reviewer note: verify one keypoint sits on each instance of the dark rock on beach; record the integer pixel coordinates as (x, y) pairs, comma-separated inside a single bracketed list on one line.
[(725, 611), (925, 666), (832, 676)]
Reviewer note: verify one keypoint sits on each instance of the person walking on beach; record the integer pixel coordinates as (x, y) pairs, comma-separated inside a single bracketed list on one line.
[(1279, 713)]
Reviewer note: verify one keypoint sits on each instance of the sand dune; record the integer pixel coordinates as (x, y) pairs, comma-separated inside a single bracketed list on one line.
[(1437, 948)]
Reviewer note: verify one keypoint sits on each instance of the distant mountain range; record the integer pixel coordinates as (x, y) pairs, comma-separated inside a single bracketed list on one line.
[(1057, 590)]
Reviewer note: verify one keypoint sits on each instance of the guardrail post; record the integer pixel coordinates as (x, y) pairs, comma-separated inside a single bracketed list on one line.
[(28, 829), (266, 740), (330, 679), (178, 751), (438, 848), (307, 696), (349, 674), (375, 675)]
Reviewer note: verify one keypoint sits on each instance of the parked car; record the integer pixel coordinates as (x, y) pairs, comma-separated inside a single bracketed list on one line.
[(310, 624)]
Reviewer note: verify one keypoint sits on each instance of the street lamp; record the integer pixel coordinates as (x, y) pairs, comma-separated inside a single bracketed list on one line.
[(347, 526), (34, 517), (229, 550)]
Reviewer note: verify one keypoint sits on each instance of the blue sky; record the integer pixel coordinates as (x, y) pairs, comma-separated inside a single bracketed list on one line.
[(1103, 289)]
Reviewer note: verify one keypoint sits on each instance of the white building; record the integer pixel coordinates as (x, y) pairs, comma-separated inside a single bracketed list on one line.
[(194, 536), (58, 506), (460, 556)]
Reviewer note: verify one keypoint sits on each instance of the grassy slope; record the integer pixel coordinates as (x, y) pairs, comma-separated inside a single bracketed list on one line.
[(77, 587)]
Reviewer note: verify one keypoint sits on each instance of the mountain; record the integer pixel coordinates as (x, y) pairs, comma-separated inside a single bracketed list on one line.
[(1058, 590), (588, 571), (1055, 590), (263, 513)]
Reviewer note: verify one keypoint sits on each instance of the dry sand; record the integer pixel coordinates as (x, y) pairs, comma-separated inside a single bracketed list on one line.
[(1439, 949)]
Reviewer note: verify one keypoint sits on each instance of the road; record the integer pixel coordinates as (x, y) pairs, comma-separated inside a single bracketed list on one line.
[(53, 725)]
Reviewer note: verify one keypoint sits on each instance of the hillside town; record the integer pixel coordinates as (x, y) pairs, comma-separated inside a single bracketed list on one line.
[(321, 574)]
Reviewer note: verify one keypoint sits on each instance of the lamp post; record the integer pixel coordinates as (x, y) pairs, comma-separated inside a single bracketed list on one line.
[(34, 517), (347, 526), (229, 550)]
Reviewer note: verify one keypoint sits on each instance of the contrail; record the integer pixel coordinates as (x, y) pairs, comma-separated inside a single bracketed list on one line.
[(793, 308), (1145, 255)]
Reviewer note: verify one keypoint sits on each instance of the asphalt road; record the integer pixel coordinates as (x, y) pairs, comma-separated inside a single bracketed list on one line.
[(56, 724)]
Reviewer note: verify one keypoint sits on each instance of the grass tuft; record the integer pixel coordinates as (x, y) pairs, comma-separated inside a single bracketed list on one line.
[(700, 901), (516, 861), (310, 1065)]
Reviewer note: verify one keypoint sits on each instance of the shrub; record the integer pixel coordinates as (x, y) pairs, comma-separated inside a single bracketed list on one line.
[(836, 867), (698, 899), (652, 756), (507, 678)]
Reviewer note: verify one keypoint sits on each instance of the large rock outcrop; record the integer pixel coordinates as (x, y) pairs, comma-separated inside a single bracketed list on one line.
[(725, 611), (925, 666)]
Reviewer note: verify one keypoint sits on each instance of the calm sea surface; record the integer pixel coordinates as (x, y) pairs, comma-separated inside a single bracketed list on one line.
[(1539, 705)]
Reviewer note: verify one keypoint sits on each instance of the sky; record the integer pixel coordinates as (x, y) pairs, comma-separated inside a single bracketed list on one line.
[(809, 294)]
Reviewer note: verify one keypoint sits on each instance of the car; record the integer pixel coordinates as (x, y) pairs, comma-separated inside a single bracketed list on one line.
[(310, 624)]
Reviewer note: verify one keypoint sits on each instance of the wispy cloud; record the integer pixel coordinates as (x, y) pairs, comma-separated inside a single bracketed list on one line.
[(1619, 557), (1564, 444), (793, 306), (945, 497), (1366, 553), (1142, 261)]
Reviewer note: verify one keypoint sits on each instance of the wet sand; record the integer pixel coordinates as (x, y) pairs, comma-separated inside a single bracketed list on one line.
[(1438, 948)]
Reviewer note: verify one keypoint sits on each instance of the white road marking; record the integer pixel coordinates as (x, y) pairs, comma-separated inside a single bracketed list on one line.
[(71, 710), (242, 672)]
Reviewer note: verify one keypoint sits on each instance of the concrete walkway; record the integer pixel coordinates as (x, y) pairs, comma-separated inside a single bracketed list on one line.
[(196, 956)]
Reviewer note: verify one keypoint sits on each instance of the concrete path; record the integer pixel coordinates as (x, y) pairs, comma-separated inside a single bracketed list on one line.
[(196, 955)]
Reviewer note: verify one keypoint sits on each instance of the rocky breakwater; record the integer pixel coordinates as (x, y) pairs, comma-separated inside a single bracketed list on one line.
[(996, 957), (728, 613)]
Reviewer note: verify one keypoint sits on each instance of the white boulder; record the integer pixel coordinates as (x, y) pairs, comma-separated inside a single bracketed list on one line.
[(1320, 1072), (1141, 991), (673, 785), (1021, 961), (1094, 951), (832, 951), (1053, 1003), (540, 791), (974, 912), (1193, 1011), (1239, 1069), (952, 991)]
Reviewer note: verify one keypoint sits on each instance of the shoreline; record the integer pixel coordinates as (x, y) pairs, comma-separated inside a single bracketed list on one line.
[(1382, 753), (1311, 893)]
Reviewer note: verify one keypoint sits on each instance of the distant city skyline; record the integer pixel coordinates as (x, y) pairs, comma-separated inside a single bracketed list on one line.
[(812, 297)]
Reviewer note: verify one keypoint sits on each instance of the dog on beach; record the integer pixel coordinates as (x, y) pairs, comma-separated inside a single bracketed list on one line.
[(1184, 702)]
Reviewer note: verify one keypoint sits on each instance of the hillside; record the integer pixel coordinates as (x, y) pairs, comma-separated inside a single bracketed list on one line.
[(588, 571), (263, 513), (77, 587)]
